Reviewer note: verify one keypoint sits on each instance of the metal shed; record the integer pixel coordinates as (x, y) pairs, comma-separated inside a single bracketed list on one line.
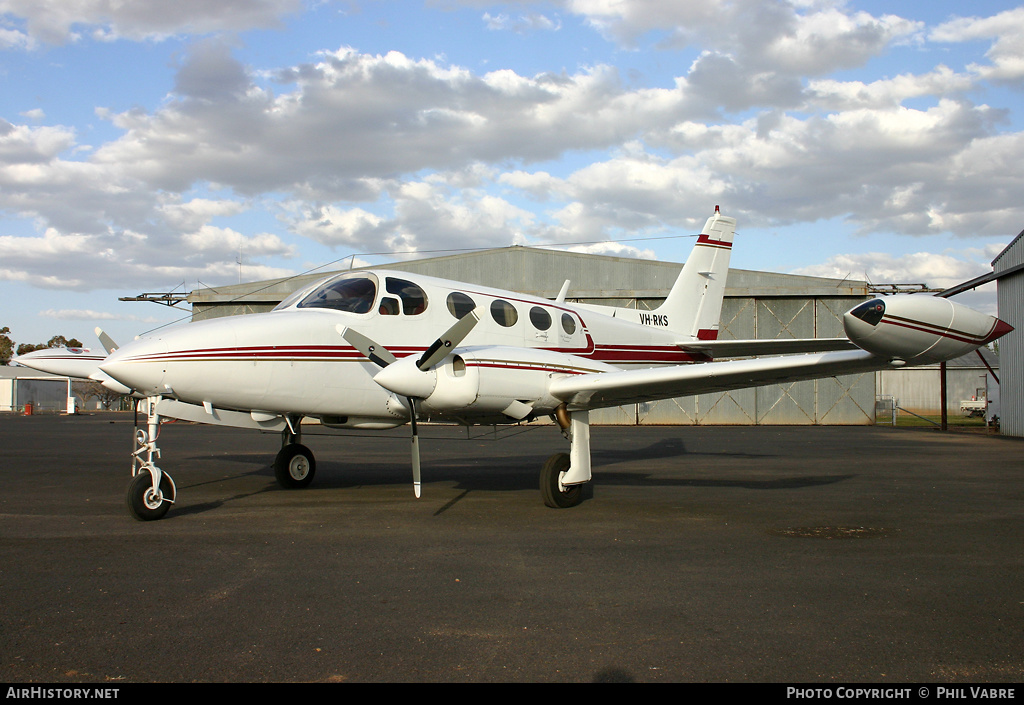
[(20, 386), (1008, 270), (917, 389), (757, 305)]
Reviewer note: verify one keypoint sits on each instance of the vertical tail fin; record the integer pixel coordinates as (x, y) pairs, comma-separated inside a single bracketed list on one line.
[(694, 305)]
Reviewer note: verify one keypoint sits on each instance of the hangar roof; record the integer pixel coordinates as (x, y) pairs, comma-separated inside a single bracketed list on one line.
[(541, 272)]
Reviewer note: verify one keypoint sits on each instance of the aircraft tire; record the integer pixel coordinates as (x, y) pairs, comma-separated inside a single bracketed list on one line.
[(143, 505), (294, 466), (549, 474)]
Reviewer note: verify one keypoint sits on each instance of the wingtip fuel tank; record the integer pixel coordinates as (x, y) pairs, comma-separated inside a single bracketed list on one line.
[(920, 330)]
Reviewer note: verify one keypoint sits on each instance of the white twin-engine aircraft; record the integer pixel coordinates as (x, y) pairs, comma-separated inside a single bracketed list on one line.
[(362, 350)]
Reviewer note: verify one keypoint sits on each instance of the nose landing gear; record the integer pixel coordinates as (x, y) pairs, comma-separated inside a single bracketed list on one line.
[(151, 491)]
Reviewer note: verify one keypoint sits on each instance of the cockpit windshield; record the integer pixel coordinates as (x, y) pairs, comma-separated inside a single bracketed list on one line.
[(298, 294), (353, 294), (871, 312)]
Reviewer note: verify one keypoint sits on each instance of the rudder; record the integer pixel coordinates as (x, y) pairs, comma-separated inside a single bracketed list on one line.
[(694, 305)]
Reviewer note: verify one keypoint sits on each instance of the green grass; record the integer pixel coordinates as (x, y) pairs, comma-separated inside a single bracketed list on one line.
[(907, 420)]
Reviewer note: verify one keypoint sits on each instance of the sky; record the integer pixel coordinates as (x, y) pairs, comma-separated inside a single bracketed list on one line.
[(149, 146)]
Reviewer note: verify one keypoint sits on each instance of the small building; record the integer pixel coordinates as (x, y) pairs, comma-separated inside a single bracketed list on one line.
[(1008, 270), (972, 377), (21, 386)]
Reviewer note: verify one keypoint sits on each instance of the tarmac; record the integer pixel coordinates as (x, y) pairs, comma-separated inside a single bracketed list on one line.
[(812, 554)]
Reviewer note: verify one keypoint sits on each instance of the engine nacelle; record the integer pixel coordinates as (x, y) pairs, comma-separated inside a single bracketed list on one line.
[(503, 380), (919, 329)]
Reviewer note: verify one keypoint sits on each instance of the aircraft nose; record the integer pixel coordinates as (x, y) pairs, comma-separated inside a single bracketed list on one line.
[(139, 365)]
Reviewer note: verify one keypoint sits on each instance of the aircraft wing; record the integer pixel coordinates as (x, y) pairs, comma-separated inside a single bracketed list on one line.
[(604, 389), (776, 346)]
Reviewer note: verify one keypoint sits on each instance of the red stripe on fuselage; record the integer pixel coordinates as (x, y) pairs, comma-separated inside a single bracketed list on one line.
[(612, 354), (942, 331)]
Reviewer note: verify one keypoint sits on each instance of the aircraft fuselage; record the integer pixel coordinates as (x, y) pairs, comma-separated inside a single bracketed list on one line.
[(309, 369)]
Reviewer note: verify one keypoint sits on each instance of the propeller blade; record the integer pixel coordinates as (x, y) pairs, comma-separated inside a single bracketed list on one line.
[(451, 339), (377, 354), (383, 358), (415, 449)]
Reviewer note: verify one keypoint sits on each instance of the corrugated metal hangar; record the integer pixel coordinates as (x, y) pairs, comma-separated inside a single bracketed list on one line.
[(1008, 270), (757, 305)]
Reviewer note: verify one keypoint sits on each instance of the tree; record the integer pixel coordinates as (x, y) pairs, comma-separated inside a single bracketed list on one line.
[(86, 390), (25, 348), (59, 341), (56, 341), (6, 345)]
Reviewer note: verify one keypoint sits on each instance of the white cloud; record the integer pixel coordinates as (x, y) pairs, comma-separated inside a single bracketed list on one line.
[(612, 249), (209, 239), (357, 116), (794, 38), (523, 24), (833, 95), (67, 20), (20, 144), (376, 151), (934, 270), (828, 39), (14, 39), (192, 214), (330, 225), (66, 314), (1007, 51)]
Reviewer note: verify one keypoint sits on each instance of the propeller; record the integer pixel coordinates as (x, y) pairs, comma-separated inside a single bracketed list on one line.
[(377, 354), (443, 345), (409, 377)]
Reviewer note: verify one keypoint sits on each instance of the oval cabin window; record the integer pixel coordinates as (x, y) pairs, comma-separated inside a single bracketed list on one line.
[(504, 313), (540, 318), (568, 324), (459, 304)]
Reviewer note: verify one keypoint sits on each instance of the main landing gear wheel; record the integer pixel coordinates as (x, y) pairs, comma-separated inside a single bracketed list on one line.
[(294, 466), (144, 503), (555, 494)]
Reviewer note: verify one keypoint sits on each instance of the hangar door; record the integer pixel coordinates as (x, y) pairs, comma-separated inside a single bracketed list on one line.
[(847, 400)]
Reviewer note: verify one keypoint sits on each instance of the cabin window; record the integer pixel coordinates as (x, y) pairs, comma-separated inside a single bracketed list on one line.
[(504, 313), (540, 318), (568, 324), (388, 306), (345, 293), (414, 300), (459, 304)]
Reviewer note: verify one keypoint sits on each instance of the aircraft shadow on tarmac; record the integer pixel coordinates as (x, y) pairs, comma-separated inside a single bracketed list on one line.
[(487, 472)]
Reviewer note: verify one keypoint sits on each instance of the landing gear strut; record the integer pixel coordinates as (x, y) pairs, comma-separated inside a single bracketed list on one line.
[(563, 475), (151, 491), (294, 466)]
